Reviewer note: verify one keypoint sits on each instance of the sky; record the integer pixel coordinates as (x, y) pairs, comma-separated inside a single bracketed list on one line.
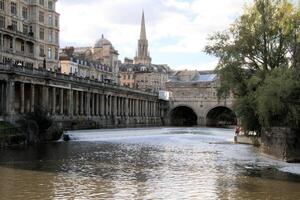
[(177, 30)]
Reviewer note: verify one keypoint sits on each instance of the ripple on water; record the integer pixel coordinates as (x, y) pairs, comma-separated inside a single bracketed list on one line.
[(169, 163)]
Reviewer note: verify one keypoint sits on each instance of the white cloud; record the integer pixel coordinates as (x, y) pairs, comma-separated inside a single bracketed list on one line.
[(173, 26)]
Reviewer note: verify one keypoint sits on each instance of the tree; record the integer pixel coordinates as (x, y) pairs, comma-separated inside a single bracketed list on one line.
[(264, 39)]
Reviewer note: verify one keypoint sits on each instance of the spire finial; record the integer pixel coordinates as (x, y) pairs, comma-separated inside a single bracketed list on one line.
[(143, 27)]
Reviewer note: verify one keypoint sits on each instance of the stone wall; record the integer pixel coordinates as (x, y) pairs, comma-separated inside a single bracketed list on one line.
[(281, 143)]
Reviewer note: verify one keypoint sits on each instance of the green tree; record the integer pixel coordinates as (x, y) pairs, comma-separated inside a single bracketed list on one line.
[(264, 39)]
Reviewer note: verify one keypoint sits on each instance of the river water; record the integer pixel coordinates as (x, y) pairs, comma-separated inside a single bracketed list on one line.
[(156, 163)]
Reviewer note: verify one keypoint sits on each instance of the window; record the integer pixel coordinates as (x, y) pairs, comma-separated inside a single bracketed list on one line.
[(49, 53), (56, 54), (42, 51), (24, 12), (50, 5), (1, 4), (14, 25), (56, 21), (41, 17), (25, 29), (42, 33), (2, 22), (50, 38), (56, 38), (42, 2), (31, 47), (13, 7), (22, 46), (11, 43), (50, 20)]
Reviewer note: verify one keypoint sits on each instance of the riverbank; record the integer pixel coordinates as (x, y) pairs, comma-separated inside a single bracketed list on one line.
[(10, 136), (279, 143)]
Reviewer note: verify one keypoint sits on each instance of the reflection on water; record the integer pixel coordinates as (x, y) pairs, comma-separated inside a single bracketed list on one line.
[(169, 163)]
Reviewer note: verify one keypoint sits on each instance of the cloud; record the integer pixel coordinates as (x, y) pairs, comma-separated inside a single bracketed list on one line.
[(174, 27)]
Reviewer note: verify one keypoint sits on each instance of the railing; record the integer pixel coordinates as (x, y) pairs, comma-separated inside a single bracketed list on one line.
[(11, 68), (29, 35)]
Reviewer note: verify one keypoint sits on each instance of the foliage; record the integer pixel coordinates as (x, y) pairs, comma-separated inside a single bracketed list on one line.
[(259, 62), (40, 116), (278, 100)]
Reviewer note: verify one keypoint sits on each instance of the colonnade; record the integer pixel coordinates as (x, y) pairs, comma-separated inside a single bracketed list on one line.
[(22, 97)]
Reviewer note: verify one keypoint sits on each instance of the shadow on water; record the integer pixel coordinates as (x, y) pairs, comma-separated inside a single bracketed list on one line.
[(83, 158)]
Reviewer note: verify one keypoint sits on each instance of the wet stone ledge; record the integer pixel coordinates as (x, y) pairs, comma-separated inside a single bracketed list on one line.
[(281, 143)]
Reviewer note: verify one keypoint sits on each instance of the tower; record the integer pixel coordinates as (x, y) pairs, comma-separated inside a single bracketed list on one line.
[(143, 55)]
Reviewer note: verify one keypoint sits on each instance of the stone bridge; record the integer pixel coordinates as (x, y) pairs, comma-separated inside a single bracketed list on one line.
[(70, 99), (195, 102)]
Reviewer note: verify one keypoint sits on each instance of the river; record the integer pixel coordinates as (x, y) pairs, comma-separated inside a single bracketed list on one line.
[(149, 163)]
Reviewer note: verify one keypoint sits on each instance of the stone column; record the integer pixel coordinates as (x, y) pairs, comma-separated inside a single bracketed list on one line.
[(81, 103), (97, 104), (10, 103), (22, 97), (126, 110), (111, 108), (45, 97), (70, 102), (126, 107), (32, 98), (61, 101), (93, 104), (76, 102), (136, 107), (88, 102), (106, 105), (146, 109), (117, 106), (53, 101), (129, 106), (114, 105), (102, 109)]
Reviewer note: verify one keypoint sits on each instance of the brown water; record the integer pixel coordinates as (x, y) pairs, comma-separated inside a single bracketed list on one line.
[(183, 163)]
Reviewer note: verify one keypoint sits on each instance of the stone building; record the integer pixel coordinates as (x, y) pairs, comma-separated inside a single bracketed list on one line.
[(151, 78), (102, 54), (140, 73), (29, 33), (73, 64)]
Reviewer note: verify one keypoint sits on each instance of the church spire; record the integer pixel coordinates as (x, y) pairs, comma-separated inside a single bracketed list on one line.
[(143, 28), (142, 56)]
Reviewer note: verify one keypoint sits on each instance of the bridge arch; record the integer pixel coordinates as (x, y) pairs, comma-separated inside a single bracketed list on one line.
[(183, 116), (220, 116)]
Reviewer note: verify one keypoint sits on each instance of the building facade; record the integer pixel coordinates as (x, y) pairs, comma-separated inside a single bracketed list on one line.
[(150, 78), (103, 55), (71, 64), (29, 33)]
